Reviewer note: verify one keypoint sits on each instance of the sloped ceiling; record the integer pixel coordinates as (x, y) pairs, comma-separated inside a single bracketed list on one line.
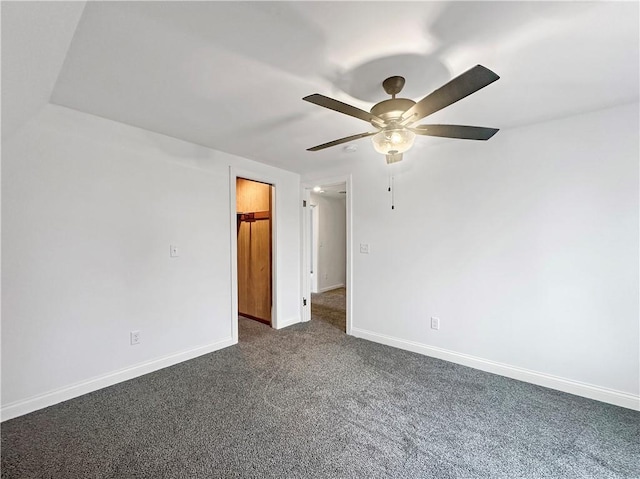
[(35, 40), (231, 75)]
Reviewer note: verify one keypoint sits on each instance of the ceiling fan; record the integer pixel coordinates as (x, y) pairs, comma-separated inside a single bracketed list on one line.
[(395, 118)]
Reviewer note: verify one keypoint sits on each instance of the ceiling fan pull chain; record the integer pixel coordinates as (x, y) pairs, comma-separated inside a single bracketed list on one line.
[(393, 194)]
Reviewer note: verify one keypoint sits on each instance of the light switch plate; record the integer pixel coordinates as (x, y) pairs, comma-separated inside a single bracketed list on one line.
[(435, 322), (173, 251)]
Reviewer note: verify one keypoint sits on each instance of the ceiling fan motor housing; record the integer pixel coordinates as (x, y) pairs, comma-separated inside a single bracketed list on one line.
[(391, 109)]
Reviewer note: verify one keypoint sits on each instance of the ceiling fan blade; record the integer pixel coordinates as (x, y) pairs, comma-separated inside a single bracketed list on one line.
[(340, 107), (456, 131), (341, 140), (464, 85)]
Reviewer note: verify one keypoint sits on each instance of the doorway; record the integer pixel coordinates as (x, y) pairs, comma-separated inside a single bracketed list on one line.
[(254, 249), (327, 247)]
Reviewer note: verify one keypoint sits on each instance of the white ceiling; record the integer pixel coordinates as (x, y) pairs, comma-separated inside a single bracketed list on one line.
[(332, 190), (231, 75), (35, 40)]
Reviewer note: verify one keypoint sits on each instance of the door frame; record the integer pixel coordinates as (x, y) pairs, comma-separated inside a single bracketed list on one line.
[(306, 188), (235, 173), (313, 247)]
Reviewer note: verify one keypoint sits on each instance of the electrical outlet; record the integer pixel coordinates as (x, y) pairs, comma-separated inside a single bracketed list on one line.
[(364, 248), (435, 322), (135, 337)]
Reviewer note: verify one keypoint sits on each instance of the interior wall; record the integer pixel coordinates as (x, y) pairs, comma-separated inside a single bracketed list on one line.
[(525, 247), (313, 220), (89, 210), (331, 241)]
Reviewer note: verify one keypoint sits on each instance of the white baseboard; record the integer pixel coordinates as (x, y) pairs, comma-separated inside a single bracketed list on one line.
[(570, 386), (288, 322), (50, 398), (329, 288)]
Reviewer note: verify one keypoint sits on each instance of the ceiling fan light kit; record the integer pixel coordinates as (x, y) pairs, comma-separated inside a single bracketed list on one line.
[(393, 140), (394, 118)]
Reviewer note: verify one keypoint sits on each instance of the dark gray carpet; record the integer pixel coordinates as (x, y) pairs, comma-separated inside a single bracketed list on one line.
[(311, 402), (330, 307)]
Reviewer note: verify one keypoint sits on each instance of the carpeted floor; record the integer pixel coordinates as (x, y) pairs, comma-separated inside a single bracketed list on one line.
[(330, 307), (310, 402)]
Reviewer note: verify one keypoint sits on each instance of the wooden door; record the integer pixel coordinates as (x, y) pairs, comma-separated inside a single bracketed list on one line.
[(253, 207)]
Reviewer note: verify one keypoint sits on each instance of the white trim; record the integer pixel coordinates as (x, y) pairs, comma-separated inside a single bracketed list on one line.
[(570, 386), (255, 176), (56, 396), (233, 249), (349, 276), (305, 253), (332, 287), (289, 322), (313, 226)]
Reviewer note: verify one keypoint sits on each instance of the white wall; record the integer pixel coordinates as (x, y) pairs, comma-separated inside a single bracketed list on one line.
[(525, 247), (89, 209), (331, 241)]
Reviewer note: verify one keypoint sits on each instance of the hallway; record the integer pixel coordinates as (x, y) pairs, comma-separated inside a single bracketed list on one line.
[(330, 307)]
